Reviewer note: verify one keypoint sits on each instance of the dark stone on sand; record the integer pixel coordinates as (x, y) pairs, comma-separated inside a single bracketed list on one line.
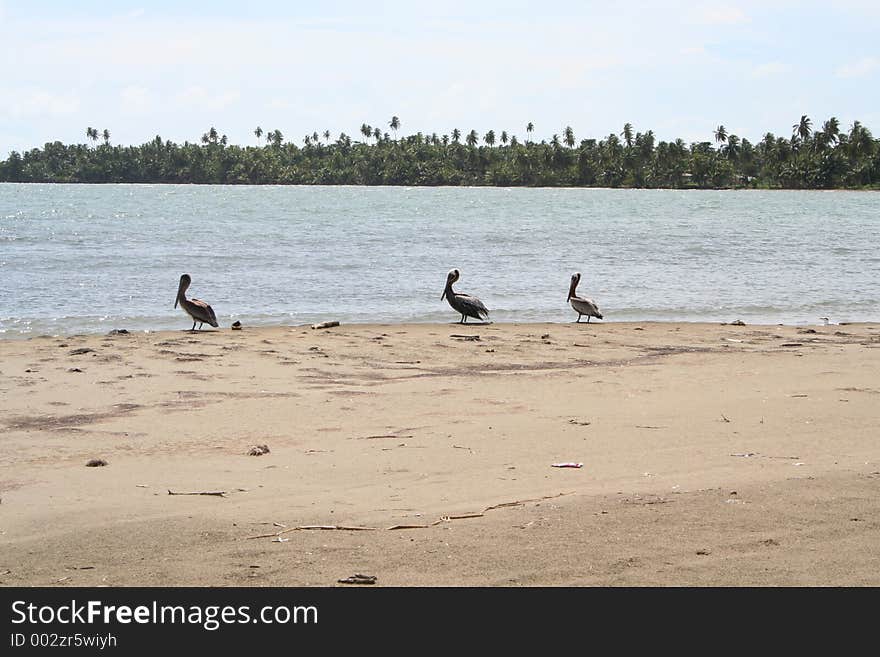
[(96, 463)]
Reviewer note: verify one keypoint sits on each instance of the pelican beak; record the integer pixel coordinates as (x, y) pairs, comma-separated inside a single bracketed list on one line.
[(443, 296), (568, 298), (175, 303)]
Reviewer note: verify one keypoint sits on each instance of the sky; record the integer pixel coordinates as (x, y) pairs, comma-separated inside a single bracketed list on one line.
[(175, 69)]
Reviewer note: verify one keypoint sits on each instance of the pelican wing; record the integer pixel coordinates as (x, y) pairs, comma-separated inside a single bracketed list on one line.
[(585, 306), (203, 312), (471, 306)]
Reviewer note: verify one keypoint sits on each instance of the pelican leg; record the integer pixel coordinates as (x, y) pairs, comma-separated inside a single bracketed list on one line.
[(578, 320), (588, 318), (463, 319), (193, 329), (200, 325)]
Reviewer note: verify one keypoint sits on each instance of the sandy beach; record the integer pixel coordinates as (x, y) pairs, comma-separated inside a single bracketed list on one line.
[(712, 455)]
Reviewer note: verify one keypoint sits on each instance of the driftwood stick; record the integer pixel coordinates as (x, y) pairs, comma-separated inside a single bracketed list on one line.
[(439, 521), (218, 493)]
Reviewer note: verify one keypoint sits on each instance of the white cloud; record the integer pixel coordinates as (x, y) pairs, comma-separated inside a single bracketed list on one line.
[(770, 69), (37, 102), (723, 15), (201, 99), (136, 98), (859, 69)]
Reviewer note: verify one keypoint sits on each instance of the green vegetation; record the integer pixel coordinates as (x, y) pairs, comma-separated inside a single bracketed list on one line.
[(825, 158)]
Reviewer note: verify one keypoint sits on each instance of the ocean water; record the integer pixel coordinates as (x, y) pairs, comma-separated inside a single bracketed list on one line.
[(91, 258)]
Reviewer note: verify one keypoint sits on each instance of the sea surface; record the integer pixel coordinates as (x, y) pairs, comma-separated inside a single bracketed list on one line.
[(92, 258)]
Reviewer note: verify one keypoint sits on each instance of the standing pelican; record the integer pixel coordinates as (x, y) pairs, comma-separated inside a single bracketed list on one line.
[(467, 305), (583, 306), (200, 311)]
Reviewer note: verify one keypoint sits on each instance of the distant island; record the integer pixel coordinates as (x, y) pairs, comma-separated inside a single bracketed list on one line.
[(823, 158)]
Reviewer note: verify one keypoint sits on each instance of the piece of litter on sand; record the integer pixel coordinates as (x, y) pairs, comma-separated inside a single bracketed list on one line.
[(258, 450), (279, 539), (96, 463), (798, 463), (567, 465), (218, 493), (745, 454), (358, 579), (236, 325), (324, 325)]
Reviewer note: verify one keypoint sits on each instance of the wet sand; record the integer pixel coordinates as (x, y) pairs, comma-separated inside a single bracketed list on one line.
[(712, 455)]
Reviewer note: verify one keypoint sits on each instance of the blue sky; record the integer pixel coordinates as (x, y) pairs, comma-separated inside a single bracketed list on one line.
[(680, 68)]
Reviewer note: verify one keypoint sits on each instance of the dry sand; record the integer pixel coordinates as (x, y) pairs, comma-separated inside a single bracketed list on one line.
[(712, 455)]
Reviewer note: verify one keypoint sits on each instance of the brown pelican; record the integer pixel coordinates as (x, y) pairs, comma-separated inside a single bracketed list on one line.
[(583, 306), (467, 305), (200, 311)]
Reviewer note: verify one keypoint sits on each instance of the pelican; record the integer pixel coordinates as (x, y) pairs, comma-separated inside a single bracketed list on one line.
[(583, 306), (200, 311), (467, 305)]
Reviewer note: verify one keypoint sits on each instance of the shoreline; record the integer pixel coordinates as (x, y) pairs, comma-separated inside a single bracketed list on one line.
[(712, 455), (14, 337)]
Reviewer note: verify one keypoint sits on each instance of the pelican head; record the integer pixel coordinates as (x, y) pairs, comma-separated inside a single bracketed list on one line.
[(185, 281), (575, 279), (451, 277)]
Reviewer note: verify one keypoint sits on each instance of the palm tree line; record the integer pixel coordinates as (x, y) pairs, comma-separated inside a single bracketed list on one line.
[(825, 157)]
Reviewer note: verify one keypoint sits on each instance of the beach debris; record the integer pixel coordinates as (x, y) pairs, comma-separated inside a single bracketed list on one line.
[(745, 454), (324, 325), (647, 426), (96, 463), (724, 418), (809, 330), (258, 450), (80, 351), (826, 321), (546, 336), (462, 447), (74, 369), (792, 344), (357, 578), (236, 325), (441, 520), (118, 332), (218, 493), (703, 553), (730, 340), (638, 328), (578, 422), (466, 338), (278, 539), (736, 322), (569, 464)]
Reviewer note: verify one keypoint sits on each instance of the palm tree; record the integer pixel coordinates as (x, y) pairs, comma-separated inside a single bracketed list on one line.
[(529, 128), (720, 134), (472, 138), (489, 138), (831, 128), (627, 134), (366, 130), (504, 137), (259, 133), (394, 124), (327, 136), (277, 138), (92, 134), (106, 136), (456, 135), (802, 128), (569, 137), (377, 133)]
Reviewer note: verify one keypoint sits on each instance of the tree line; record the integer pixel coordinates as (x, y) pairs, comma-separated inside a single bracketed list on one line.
[(825, 157)]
